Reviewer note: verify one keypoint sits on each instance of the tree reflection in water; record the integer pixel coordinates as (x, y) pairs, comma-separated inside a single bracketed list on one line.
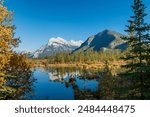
[(70, 77), (85, 93)]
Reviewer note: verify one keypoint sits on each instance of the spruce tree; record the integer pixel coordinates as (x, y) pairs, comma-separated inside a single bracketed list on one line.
[(138, 52)]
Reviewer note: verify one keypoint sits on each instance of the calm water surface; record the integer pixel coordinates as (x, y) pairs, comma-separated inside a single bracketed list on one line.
[(63, 84)]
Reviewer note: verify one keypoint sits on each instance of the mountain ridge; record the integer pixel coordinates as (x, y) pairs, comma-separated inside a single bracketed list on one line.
[(56, 45), (106, 39)]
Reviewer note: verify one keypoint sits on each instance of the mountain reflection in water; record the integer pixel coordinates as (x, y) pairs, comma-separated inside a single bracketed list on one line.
[(65, 84)]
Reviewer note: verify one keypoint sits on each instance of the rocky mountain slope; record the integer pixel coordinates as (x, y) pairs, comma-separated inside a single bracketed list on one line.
[(56, 45), (106, 39)]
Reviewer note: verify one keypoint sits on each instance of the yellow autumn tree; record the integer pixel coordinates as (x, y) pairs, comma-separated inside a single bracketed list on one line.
[(13, 67)]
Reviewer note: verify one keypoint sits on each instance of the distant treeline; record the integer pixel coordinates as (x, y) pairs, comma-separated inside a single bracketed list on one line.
[(85, 57)]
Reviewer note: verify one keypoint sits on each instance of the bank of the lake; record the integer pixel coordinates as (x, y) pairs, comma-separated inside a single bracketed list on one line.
[(90, 65)]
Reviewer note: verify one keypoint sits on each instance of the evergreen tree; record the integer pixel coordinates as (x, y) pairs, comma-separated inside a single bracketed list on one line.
[(138, 57)]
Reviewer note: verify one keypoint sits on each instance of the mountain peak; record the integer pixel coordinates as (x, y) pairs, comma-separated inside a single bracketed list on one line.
[(106, 30), (56, 45), (56, 40), (109, 32), (105, 39), (61, 41)]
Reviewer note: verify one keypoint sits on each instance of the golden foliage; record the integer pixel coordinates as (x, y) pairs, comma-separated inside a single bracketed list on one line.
[(14, 69)]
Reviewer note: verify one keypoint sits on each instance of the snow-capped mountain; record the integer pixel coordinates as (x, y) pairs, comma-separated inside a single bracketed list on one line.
[(56, 45), (26, 52)]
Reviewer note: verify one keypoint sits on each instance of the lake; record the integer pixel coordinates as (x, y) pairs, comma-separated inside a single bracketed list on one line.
[(64, 84)]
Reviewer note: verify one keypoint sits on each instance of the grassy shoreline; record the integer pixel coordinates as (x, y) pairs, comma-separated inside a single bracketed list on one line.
[(91, 65)]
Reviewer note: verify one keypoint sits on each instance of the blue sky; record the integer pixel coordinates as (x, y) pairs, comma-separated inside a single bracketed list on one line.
[(39, 20)]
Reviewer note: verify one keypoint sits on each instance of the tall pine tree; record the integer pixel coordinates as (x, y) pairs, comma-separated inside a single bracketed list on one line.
[(138, 53)]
